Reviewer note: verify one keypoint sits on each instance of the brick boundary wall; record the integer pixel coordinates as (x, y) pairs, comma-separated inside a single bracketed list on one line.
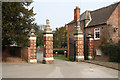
[(24, 53), (21, 52)]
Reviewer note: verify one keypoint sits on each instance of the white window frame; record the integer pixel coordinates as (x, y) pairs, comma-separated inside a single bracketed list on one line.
[(95, 34), (98, 52)]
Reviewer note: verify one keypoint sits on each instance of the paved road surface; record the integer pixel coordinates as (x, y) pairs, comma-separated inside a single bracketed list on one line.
[(60, 69)]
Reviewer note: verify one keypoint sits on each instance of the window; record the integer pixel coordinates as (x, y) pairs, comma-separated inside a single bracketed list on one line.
[(97, 33), (98, 52)]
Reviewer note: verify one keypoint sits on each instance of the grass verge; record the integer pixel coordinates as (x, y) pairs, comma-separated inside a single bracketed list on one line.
[(112, 65)]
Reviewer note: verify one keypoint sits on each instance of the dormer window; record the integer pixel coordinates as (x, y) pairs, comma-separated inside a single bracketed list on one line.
[(97, 33)]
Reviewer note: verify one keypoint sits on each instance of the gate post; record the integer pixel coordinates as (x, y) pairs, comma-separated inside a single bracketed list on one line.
[(90, 46), (32, 48), (48, 44), (79, 42)]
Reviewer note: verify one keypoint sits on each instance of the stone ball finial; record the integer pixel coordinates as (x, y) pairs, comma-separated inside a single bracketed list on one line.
[(32, 31), (78, 23), (47, 21), (89, 34)]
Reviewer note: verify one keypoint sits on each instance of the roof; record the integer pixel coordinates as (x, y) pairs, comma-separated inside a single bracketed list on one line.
[(71, 22), (84, 15), (99, 16)]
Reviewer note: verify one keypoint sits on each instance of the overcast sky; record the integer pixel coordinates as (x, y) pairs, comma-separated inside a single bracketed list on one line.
[(60, 12)]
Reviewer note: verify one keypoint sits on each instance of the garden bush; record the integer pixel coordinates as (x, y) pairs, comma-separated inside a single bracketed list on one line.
[(112, 50)]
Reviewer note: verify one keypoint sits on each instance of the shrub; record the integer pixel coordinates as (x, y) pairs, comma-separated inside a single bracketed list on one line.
[(71, 59), (112, 50)]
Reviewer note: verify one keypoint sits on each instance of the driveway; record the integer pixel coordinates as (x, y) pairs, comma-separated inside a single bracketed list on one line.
[(60, 69)]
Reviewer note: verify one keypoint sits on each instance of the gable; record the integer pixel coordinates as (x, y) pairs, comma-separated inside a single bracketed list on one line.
[(101, 16)]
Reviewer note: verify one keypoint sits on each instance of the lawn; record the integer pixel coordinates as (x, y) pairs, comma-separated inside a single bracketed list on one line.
[(61, 57)]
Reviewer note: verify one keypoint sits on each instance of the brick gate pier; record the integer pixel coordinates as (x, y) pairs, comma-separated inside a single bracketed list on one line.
[(48, 44)]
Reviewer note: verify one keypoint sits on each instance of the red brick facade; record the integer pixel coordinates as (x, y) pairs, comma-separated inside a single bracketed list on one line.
[(70, 40), (113, 28), (109, 30)]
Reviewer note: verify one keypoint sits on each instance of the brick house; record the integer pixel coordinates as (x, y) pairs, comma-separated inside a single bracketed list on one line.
[(100, 23)]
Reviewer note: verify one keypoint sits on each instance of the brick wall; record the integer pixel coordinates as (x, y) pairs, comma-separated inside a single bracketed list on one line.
[(15, 52), (107, 31), (24, 53), (12, 51), (70, 40), (97, 43), (113, 21)]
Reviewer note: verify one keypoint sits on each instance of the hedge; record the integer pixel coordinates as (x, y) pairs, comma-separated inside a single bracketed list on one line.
[(60, 51)]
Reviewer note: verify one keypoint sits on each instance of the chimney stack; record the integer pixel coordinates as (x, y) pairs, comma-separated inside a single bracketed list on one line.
[(76, 13)]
